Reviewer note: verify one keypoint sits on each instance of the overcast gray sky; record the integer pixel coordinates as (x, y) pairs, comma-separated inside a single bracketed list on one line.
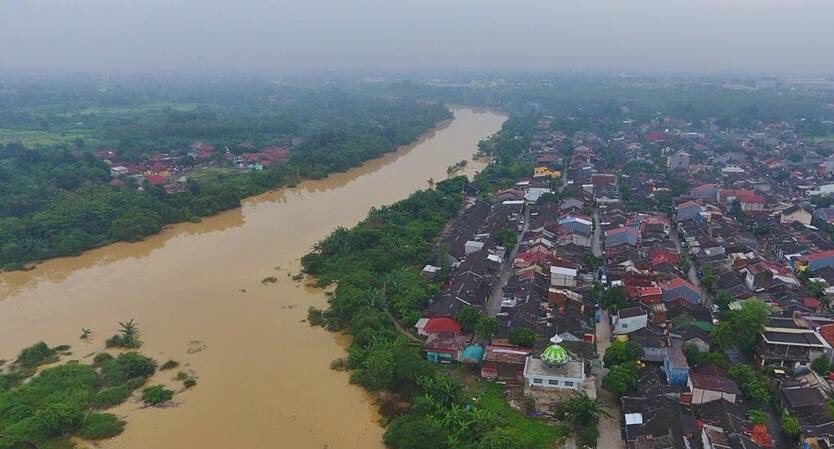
[(746, 36)]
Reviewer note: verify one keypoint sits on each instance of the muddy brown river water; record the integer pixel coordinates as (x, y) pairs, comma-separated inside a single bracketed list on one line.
[(263, 375)]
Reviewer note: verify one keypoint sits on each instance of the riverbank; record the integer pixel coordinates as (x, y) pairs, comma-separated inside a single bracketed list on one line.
[(264, 374)]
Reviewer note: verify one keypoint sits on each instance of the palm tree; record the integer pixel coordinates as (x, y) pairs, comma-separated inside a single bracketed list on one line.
[(581, 410), (130, 334), (85, 333)]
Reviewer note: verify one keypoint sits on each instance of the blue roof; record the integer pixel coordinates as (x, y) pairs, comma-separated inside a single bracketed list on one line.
[(472, 353)]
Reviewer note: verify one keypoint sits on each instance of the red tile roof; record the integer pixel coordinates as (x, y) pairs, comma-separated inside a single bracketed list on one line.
[(442, 324)]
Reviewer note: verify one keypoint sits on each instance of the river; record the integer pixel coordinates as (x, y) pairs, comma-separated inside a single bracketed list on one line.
[(195, 290)]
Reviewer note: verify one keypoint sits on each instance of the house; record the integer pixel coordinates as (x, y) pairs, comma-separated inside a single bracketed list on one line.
[(546, 172), (678, 288), (824, 215), (795, 213), (572, 205), (675, 366), (437, 325), (577, 223), (445, 347), (119, 170), (472, 246), (801, 400), (553, 369), (562, 277), (748, 200), (534, 193), (815, 261), (790, 343), (504, 362), (509, 195), (707, 388), (678, 160), (630, 319), (706, 192), (622, 236), (758, 276), (688, 210)]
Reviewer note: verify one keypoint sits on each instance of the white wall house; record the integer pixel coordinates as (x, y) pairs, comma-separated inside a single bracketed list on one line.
[(562, 277), (568, 377)]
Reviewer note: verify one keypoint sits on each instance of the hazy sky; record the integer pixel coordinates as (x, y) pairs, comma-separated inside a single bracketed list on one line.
[(746, 36)]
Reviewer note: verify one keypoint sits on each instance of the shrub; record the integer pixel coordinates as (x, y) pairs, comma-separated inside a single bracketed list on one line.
[(339, 364), (58, 418), (36, 355), (170, 364), (789, 425), (757, 416), (101, 358), (181, 376), (129, 365), (156, 395), (821, 365), (113, 396), (97, 426), (188, 383)]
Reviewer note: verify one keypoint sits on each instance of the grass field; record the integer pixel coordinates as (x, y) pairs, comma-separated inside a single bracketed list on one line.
[(821, 139), (35, 139), (531, 432)]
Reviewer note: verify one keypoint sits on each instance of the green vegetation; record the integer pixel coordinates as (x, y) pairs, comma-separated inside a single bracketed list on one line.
[(789, 426), (757, 416), (55, 193), (696, 357), (468, 317), (127, 338), (506, 238), (622, 352), (741, 328), (821, 365), (373, 266), (621, 359), (523, 336), (583, 413), (753, 383), (170, 364), (620, 379), (36, 355), (48, 408), (156, 395)]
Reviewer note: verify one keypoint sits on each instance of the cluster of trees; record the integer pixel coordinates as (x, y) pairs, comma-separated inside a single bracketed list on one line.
[(57, 201), (621, 359), (48, 408), (741, 328), (373, 266)]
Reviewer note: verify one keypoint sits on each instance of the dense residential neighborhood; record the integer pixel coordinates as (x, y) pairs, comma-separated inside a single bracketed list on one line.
[(680, 272)]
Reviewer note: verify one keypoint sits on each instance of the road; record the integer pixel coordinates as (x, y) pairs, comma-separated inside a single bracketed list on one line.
[(610, 433), (493, 305)]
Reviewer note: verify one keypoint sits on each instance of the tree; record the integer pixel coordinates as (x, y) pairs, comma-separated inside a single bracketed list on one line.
[(708, 278), (789, 426), (723, 300), (591, 261), (743, 327), (486, 326), (580, 410), (621, 352), (753, 384), (821, 365), (468, 317), (506, 237), (613, 299), (128, 336), (620, 379), (523, 336), (415, 432)]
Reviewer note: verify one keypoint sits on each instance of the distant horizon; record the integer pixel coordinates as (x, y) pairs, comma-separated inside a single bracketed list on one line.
[(786, 38)]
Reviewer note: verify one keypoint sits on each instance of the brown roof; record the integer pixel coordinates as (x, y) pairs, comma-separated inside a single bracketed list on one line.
[(506, 354), (714, 383)]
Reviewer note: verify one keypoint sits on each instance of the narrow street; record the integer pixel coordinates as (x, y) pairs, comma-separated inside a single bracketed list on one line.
[(493, 305), (610, 434), (692, 274)]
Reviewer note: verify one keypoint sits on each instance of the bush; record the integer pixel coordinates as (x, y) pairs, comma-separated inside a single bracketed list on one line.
[(101, 358), (58, 418), (524, 336), (757, 416), (821, 365), (414, 432), (789, 425), (113, 396), (170, 364), (190, 382), (97, 426), (181, 376), (36, 355), (130, 365), (500, 439), (156, 395)]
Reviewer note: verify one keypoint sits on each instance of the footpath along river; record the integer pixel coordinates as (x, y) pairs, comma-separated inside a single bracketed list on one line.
[(264, 379)]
